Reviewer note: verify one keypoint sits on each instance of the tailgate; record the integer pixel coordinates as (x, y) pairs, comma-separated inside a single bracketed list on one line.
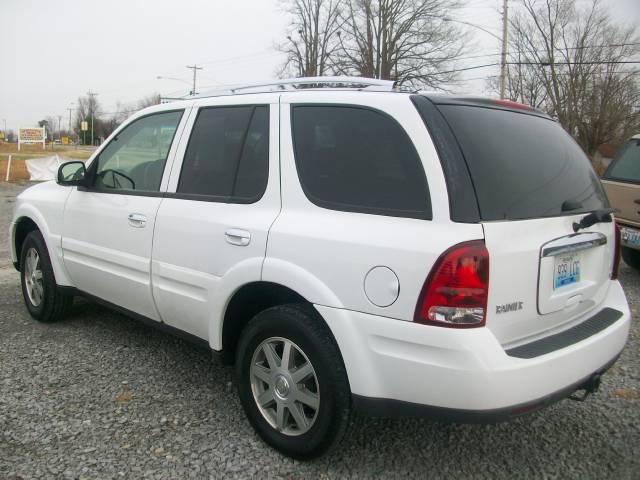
[(543, 275), (531, 181)]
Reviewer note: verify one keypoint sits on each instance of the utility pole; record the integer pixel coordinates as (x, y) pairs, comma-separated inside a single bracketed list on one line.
[(194, 68), (92, 96), (70, 110), (503, 62), (60, 128)]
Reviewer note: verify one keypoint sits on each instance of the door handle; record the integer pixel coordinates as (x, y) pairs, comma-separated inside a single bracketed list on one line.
[(637, 200), (236, 236), (137, 220)]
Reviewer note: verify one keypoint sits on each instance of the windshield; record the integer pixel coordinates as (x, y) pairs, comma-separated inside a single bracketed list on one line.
[(523, 166), (625, 166)]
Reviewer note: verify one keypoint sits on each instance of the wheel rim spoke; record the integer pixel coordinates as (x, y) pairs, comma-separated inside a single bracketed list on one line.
[(280, 414), (272, 357), (262, 373), (299, 418), (301, 373), (266, 397), (308, 398), (286, 355)]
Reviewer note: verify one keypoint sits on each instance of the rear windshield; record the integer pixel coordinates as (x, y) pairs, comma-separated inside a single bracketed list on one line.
[(626, 166), (523, 166)]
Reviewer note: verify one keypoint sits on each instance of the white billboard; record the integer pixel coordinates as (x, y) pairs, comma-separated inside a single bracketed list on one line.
[(32, 135)]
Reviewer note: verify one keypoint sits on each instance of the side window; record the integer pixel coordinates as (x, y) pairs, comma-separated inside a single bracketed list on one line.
[(358, 160), (227, 157), (135, 159)]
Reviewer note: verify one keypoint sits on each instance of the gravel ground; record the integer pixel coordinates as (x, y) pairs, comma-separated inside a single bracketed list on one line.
[(101, 396)]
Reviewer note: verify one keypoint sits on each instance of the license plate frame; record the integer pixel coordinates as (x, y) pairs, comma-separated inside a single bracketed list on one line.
[(566, 270), (630, 237)]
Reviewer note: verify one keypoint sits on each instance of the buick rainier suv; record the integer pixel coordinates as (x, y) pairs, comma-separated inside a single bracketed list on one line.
[(348, 246)]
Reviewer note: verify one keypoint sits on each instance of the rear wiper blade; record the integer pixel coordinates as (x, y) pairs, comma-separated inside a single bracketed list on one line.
[(599, 216)]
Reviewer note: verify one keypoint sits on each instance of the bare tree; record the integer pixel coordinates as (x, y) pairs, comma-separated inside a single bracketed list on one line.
[(149, 101), (569, 61), (125, 110), (409, 41), (312, 39), (88, 109)]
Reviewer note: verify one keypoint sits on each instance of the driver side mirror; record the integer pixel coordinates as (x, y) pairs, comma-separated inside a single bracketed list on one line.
[(72, 173)]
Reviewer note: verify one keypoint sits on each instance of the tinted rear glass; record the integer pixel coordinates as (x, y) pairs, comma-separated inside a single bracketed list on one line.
[(358, 160), (626, 166), (523, 166)]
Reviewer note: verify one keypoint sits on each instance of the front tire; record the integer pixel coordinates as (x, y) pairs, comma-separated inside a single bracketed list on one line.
[(292, 382), (631, 257), (42, 297)]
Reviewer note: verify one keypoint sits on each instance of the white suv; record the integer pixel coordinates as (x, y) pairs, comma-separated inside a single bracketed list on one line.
[(349, 246)]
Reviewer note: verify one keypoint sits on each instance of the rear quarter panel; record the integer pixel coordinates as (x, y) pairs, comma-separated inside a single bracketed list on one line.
[(325, 254)]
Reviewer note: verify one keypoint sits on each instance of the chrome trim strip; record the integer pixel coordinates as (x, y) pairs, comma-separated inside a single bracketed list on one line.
[(570, 245)]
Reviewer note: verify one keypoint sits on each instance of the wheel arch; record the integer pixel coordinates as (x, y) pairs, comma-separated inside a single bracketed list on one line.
[(22, 227), (245, 303), (27, 220)]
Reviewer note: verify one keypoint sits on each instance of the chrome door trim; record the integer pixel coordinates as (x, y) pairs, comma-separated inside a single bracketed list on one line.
[(573, 243)]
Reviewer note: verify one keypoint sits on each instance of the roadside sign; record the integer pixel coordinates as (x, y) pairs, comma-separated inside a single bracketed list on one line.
[(32, 135), (1, 135), (64, 140), (84, 126)]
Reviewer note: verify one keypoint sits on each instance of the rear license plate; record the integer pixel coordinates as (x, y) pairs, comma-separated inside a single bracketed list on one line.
[(630, 237), (566, 271)]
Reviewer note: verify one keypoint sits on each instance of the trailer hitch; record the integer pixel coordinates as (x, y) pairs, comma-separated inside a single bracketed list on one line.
[(590, 386)]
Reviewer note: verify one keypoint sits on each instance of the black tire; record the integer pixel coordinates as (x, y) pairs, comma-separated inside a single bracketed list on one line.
[(53, 304), (302, 325), (631, 257)]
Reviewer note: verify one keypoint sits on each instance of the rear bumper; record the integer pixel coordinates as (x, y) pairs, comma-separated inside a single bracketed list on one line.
[(463, 374), (388, 408)]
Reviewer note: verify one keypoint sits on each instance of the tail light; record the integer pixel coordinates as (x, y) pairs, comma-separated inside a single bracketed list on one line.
[(616, 253), (456, 290)]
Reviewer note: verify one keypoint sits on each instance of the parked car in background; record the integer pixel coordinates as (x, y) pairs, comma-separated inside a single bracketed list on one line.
[(349, 246), (622, 184)]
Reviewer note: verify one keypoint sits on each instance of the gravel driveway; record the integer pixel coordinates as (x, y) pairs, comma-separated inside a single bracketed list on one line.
[(102, 396)]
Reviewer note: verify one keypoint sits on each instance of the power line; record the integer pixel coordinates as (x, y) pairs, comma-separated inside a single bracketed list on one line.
[(541, 64)]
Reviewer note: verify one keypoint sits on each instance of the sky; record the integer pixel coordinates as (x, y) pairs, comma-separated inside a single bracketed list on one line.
[(56, 51)]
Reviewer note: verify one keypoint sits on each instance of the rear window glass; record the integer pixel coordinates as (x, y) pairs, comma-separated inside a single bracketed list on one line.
[(358, 160), (523, 166), (626, 166)]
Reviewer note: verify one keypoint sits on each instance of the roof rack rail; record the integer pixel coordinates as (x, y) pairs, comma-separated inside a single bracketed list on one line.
[(304, 82)]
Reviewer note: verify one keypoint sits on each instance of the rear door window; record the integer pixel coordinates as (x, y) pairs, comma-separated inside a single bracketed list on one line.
[(358, 160), (227, 158), (625, 167), (523, 166)]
